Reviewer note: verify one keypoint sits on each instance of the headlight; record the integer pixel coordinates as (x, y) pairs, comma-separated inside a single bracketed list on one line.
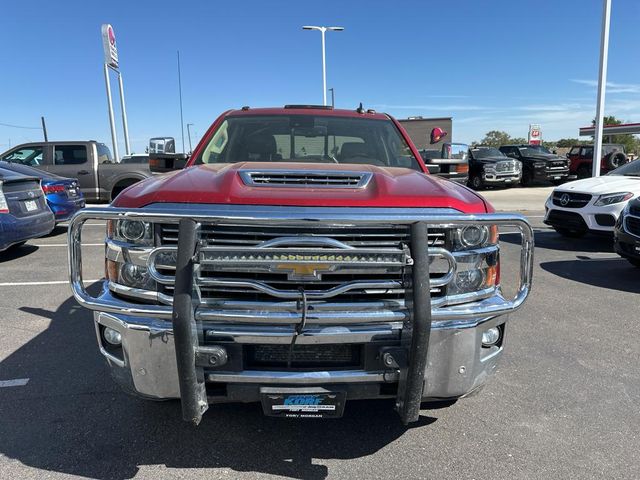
[(538, 164), (475, 236), (475, 273), (518, 166), (489, 168), (131, 231), (612, 198), (129, 275)]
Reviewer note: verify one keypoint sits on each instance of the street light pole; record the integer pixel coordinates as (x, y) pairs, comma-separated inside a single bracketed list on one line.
[(189, 135), (333, 98), (322, 31), (602, 83)]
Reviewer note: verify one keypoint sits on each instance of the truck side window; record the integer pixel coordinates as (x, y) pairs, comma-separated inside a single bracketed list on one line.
[(31, 156), (69, 154), (574, 151)]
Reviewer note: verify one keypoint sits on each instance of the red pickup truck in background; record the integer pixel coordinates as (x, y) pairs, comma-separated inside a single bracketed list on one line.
[(304, 257)]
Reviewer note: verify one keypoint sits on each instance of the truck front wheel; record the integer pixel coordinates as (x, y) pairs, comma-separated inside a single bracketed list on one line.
[(476, 182)]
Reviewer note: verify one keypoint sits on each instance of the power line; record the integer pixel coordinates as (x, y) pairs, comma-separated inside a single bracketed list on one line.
[(19, 126)]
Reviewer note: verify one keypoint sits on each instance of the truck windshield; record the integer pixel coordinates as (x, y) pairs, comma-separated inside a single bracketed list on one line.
[(308, 138), (486, 152)]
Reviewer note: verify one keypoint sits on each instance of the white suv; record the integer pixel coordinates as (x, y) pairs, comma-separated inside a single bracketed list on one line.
[(592, 204)]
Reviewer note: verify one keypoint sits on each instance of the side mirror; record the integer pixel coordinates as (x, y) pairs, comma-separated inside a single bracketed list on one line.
[(433, 168), (167, 162)]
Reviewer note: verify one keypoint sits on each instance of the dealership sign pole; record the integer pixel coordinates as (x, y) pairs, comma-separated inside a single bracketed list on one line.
[(602, 82), (111, 63)]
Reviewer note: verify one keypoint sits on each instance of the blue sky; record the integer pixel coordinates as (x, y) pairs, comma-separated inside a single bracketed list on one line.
[(498, 64)]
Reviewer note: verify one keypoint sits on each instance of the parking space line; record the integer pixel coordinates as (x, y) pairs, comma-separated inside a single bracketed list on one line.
[(65, 244), (16, 382), (53, 282)]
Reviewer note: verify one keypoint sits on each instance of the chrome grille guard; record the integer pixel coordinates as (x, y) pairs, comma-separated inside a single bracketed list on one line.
[(340, 216)]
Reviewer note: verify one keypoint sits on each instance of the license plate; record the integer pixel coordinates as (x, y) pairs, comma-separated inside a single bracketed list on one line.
[(302, 403), (72, 192), (31, 205), (557, 178), (638, 248)]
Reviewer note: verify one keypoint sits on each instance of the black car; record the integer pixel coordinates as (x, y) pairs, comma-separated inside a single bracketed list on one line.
[(538, 163), (489, 166), (627, 233)]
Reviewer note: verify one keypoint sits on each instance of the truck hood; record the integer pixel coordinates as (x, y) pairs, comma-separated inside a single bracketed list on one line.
[(545, 157), (604, 184), (222, 184)]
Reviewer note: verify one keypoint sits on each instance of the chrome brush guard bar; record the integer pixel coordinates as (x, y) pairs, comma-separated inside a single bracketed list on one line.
[(339, 216)]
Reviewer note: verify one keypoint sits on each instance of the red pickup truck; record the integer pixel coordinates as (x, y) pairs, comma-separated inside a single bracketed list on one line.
[(303, 258)]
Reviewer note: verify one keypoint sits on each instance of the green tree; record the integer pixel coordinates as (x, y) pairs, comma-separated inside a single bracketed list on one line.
[(496, 138), (630, 142)]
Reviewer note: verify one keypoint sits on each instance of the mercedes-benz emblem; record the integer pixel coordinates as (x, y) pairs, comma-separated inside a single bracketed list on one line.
[(564, 199)]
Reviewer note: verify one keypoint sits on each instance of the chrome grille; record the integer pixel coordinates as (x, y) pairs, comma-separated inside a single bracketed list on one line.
[(571, 199), (506, 166), (251, 236), (317, 179)]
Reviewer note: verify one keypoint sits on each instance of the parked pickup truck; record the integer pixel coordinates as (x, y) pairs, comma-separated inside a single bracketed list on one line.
[(538, 164), (101, 179), (451, 161), (303, 258)]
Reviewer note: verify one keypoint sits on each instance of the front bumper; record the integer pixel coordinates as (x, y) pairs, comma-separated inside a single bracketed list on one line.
[(146, 365), (497, 178), (626, 245), (589, 217)]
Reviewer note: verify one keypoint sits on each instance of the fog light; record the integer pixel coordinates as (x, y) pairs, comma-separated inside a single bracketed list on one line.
[(113, 337), (490, 336)]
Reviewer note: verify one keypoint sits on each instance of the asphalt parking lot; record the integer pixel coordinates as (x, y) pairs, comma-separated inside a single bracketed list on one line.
[(564, 403)]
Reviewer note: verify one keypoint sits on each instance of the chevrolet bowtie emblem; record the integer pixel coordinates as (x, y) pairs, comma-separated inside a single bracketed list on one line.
[(303, 271)]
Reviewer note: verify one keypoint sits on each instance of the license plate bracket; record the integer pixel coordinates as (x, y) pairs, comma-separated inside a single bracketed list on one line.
[(302, 402)]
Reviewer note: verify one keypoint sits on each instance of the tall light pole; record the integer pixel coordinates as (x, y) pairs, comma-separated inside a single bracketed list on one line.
[(333, 98), (602, 83), (323, 30), (189, 135)]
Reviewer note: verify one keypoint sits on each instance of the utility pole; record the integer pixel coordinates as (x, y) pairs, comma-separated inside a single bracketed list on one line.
[(180, 92), (189, 135), (602, 84), (44, 129)]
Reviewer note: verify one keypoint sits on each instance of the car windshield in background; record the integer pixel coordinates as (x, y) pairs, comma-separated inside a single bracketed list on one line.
[(308, 138), (631, 169), (486, 152)]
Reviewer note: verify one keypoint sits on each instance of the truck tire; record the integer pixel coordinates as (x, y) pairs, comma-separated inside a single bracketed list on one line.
[(616, 159), (527, 178), (634, 261), (584, 172), (120, 186), (475, 182)]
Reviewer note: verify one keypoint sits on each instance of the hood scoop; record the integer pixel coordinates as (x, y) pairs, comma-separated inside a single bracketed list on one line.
[(305, 178)]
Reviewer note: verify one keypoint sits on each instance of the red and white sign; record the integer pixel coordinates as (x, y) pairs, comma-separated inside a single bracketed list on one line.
[(109, 45), (535, 134)]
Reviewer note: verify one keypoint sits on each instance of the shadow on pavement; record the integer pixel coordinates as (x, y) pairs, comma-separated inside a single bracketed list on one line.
[(552, 240), (613, 273), (72, 418), (13, 253)]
